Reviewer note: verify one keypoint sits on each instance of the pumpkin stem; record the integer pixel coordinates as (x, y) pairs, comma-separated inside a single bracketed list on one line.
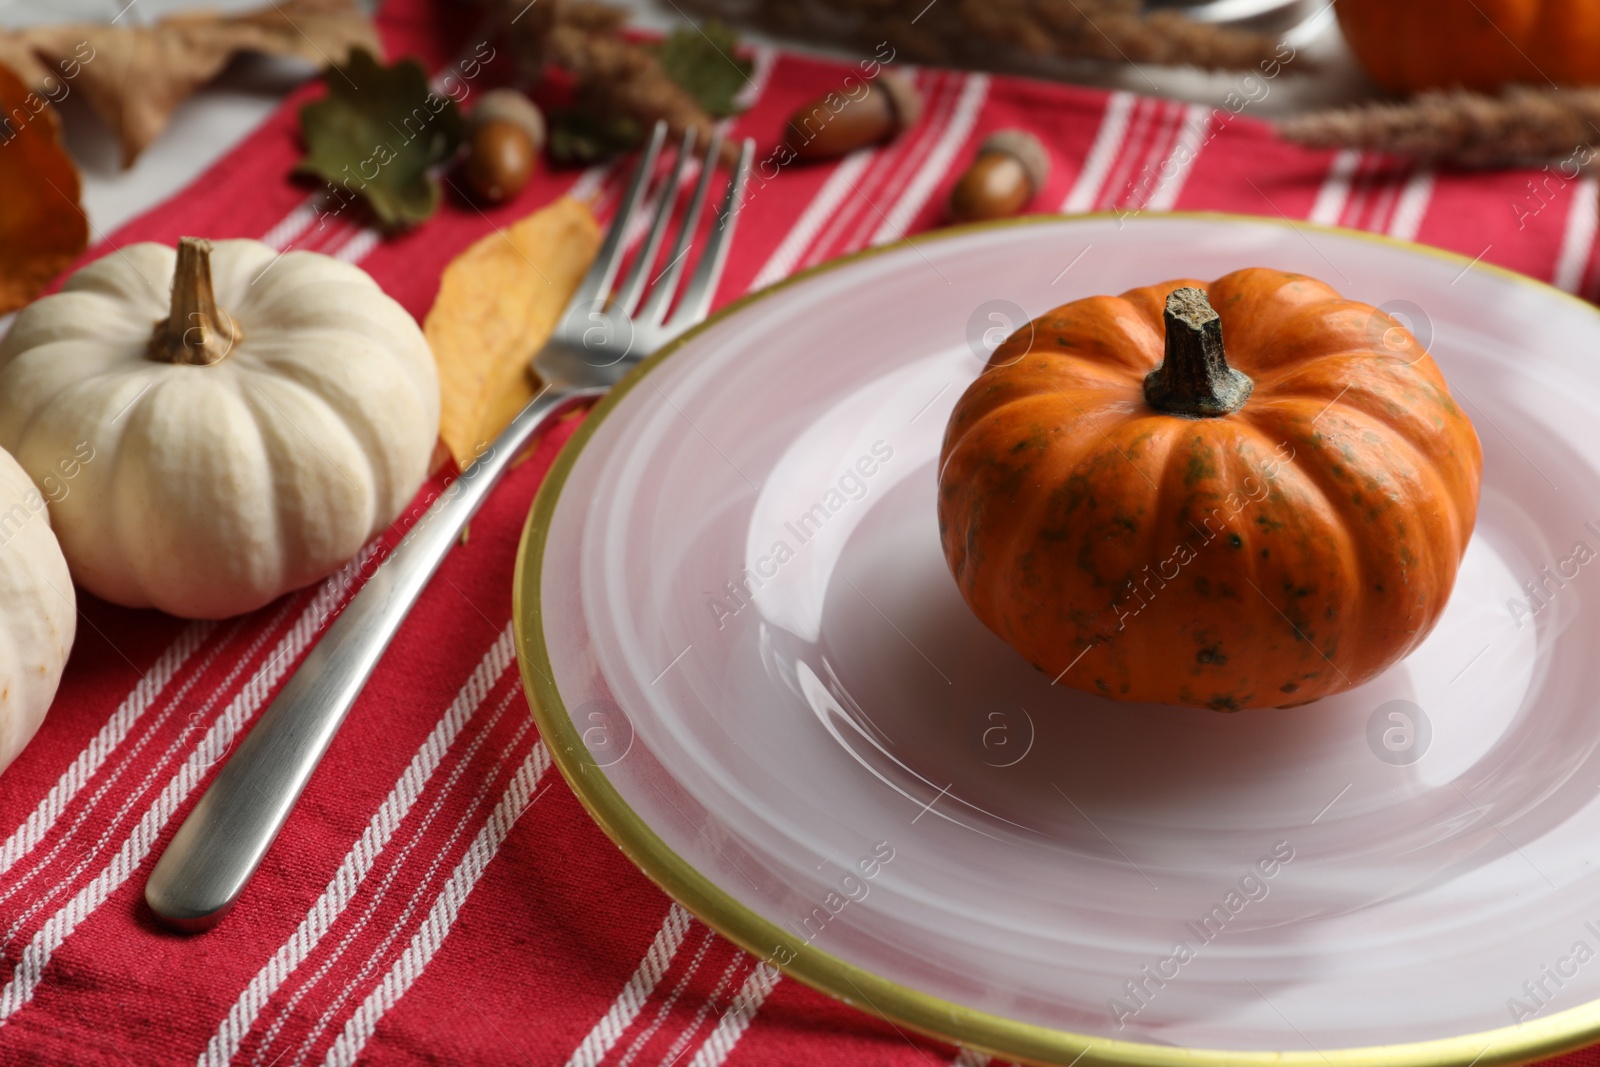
[(195, 331), (1195, 381)]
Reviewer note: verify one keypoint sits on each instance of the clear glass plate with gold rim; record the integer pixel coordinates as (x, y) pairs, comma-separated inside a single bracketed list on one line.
[(749, 659)]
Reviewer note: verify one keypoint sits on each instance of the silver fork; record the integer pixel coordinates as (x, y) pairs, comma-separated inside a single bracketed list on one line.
[(601, 336)]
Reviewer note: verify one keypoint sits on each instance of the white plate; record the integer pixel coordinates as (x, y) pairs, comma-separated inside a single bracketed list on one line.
[(1436, 831)]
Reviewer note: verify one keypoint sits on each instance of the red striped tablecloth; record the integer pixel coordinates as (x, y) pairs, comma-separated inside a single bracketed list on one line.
[(439, 896)]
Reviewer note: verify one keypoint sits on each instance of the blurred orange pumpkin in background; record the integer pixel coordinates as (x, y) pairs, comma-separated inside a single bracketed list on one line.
[(1407, 45)]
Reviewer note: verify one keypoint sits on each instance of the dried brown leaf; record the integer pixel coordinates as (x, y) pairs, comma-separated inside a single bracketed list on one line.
[(498, 302), (134, 77), (42, 229)]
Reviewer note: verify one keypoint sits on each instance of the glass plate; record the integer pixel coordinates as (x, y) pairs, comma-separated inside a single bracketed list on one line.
[(749, 659)]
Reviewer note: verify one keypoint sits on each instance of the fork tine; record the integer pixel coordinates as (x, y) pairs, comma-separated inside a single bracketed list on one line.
[(655, 308), (602, 272), (696, 299), (627, 297)]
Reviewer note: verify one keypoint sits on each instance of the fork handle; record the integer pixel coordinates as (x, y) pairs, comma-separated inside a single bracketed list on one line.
[(219, 846)]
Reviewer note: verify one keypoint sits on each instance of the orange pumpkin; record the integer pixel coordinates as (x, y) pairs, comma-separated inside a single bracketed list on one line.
[(1148, 515), (1408, 45)]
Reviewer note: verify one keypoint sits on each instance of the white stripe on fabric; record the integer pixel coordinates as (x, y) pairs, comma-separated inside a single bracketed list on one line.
[(741, 1013), (1357, 205), (897, 162), (1154, 122), (707, 938), (1577, 237), (363, 854), (29, 972), (112, 734), (631, 1001), (1186, 149), (442, 916), (894, 165), (357, 248), (293, 224), (1381, 203), (693, 1027), (335, 1005), (1328, 208), (1107, 143), (361, 241), (155, 771), (1413, 205), (837, 186), (587, 184), (932, 171), (763, 57)]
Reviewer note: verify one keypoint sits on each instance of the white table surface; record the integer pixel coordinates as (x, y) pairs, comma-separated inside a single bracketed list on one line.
[(216, 118)]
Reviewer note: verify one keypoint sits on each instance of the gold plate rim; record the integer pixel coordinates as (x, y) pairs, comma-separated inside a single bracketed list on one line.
[(944, 1020)]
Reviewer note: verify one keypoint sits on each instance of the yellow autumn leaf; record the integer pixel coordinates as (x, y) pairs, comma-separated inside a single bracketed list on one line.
[(498, 302)]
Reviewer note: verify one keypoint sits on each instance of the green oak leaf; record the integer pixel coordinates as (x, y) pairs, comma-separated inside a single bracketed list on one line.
[(378, 133), (705, 65)]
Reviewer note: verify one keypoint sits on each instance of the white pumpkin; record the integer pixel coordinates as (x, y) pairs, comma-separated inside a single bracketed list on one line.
[(38, 609), (254, 419)]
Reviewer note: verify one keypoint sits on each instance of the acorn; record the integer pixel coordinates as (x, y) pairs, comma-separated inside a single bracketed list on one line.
[(499, 160), (508, 105), (836, 124), (1010, 169), (504, 136)]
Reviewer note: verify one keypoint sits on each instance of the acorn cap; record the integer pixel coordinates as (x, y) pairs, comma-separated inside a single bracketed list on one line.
[(508, 105), (1025, 148), (904, 101)]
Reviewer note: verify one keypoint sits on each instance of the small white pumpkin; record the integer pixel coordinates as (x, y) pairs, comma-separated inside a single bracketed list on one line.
[(40, 615), (255, 419)]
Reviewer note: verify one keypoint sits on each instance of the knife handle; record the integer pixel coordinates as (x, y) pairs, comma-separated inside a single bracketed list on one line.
[(219, 846)]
